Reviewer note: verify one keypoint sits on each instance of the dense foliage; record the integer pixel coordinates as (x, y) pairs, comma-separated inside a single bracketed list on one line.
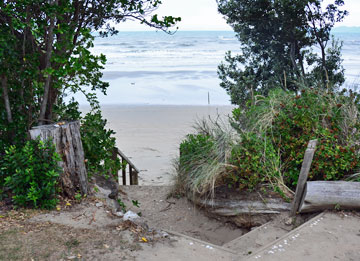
[(44, 55), (99, 145), (286, 122), (278, 40), (272, 136), (30, 173)]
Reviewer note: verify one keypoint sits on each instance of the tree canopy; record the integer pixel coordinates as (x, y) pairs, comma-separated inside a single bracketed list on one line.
[(277, 40), (44, 54)]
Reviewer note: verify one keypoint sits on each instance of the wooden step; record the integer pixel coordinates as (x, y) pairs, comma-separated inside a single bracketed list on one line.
[(285, 239), (259, 237)]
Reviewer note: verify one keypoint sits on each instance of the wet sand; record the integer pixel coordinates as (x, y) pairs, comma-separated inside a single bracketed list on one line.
[(150, 134)]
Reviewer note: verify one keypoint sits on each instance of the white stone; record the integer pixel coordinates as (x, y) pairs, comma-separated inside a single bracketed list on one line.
[(130, 216), (99, 204)]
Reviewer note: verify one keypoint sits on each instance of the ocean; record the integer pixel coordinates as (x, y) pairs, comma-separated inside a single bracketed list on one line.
[(181, 69)]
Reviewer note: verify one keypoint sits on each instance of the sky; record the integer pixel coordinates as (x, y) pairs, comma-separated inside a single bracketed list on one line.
[(203, 15)]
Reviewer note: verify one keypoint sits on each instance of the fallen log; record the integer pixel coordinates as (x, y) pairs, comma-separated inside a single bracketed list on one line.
[(228, 207), (242, 209), (67, 140), (322, 195)]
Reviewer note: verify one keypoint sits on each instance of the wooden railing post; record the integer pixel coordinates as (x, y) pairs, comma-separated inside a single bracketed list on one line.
[(304, 172), (133, 171), (136, 178), (131, 175), (123, 164)]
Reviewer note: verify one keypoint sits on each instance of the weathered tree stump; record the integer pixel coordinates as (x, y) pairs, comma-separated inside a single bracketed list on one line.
[(67, 139)]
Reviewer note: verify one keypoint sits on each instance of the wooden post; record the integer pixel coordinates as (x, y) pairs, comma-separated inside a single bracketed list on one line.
[(131, 175), (133, 171), (136, 177), (67, 139), (123, 165), (114, 172), (304, 172)]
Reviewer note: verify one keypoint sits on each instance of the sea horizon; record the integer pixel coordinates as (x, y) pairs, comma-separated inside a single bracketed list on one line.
[(155, 68)]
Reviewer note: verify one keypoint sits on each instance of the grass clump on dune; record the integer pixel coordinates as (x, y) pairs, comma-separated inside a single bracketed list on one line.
[(204, 157)]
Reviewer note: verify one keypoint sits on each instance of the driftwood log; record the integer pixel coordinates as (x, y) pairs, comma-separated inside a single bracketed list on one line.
[(228, 207), (321, 195), (67, 139), (243, 210)]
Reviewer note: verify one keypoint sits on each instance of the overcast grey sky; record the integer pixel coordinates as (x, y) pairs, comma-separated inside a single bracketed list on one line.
[(203, 15)]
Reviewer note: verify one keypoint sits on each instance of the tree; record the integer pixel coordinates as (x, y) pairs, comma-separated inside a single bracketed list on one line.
[(44, 54), (277, 39)]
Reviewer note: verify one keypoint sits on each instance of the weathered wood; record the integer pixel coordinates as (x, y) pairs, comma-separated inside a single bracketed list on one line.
[(133, 171), (228, 207), (304, 172), (114, 172), (67, 139), (136, 178), (123, 156), (123, 171), (131, 175), (321, 195)]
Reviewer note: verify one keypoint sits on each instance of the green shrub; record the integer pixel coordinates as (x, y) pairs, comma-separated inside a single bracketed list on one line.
[(290, 121), (248, 157), (98, 145), (272, 134), (195, 150), (30, 173)]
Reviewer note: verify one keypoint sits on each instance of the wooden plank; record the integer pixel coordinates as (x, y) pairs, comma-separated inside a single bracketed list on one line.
[(304, 172), (322, 195)]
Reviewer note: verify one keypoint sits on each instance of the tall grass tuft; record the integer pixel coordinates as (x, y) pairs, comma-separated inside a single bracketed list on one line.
[(204, 157)]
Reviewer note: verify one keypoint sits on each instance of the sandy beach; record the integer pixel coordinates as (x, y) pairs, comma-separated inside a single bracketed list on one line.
[(150, 134)]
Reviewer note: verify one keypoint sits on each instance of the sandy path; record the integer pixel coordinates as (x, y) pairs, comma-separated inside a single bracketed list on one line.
[(150, 135)]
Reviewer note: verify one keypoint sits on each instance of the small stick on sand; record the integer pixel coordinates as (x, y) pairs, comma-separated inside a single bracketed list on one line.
[(93, 218)]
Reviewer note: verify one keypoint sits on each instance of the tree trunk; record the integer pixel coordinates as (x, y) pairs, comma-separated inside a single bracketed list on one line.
[(6, 98), (321, 195), (67, 140), (49, 44)]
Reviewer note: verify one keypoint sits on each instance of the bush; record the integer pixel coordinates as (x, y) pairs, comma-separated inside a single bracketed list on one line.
[(248, 157), (272, 135), (98, 145), (195, 150), (289, 121), (30, 173)]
